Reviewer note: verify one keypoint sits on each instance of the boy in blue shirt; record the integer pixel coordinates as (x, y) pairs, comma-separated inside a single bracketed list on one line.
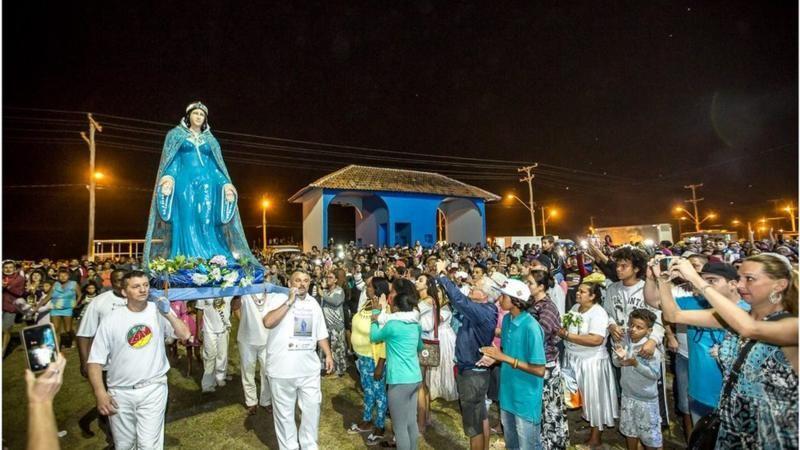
[(522, 371)]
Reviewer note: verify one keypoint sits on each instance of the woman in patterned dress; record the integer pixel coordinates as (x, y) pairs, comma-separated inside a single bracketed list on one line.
[(761, 411), (333, 309), (555, 429)]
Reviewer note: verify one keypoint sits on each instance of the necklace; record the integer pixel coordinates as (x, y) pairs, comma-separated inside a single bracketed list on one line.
[(259, 301)]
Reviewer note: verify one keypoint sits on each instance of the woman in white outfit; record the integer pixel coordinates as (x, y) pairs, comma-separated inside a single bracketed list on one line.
[(441, 379), (586, 355)]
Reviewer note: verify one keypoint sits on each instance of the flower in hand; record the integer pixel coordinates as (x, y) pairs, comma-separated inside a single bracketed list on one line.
[(622, 354), (493, 353), (485, 361)]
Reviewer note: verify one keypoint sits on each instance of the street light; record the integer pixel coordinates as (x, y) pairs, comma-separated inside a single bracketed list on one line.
[(264, 205), (680, 224), (98, 175), (545, 218), (789, 209), (529, 208), (697, 222)]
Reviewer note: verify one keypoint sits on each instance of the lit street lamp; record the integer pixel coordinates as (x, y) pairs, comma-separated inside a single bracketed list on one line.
[(529, 208), (264, 205), (789, 209), (680, 225), (545, 218), (697, 222)]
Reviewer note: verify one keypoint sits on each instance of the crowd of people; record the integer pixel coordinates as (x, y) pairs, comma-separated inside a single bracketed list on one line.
[(530, 330)]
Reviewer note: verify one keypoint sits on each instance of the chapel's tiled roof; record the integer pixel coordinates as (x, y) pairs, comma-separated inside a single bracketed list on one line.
[(365, 178)]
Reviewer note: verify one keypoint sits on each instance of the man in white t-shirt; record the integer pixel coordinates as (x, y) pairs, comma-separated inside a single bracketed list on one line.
[(215, 317), (130, 343), (252, 338), (296, 326), (97, 310)]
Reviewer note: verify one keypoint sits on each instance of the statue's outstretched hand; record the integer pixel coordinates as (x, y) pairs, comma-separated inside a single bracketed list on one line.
[(230, 193)]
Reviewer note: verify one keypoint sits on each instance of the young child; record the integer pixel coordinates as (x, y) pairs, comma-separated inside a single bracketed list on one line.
[(90, 291), (640, 419), (189, 317)]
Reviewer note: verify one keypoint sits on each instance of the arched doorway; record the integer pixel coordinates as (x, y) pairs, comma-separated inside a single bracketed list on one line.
[(462, 220), (370, 219)]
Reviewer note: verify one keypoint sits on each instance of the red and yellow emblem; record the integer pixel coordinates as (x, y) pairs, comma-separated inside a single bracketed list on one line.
[(139, 336)]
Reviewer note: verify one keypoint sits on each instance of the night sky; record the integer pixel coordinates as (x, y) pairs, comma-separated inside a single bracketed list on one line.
[(621, 103)]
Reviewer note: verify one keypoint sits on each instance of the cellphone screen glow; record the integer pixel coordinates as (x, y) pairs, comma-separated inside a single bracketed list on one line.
[(41, 345)]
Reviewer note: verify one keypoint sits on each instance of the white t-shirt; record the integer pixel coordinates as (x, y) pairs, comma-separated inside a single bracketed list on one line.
[(216, 314), (131, 345), (593, 321), (559, 298), (251, 325), (292, 344), (680, 329), (102, 305)]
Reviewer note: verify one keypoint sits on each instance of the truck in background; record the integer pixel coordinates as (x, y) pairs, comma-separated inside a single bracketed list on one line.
[(508, 241), (636, 233)]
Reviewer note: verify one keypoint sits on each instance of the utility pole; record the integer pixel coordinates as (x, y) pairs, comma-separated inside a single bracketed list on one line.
[(544, 223), (529, 178), (694, 201), (93, 126)]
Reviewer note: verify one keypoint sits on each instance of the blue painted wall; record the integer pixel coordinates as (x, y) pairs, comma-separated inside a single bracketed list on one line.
[(418, 210)]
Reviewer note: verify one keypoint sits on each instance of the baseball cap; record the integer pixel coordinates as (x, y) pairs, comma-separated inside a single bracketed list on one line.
[(723, 270), (515, 288), (499, 279)]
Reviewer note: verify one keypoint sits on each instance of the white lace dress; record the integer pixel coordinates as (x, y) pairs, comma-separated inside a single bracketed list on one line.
[(441, 380)]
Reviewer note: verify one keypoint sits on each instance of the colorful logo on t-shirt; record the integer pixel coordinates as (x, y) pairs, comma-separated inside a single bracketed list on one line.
[(139, 336)]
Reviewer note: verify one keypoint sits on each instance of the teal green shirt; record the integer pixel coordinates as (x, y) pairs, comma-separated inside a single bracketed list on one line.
[(521, 392), (403, 342)]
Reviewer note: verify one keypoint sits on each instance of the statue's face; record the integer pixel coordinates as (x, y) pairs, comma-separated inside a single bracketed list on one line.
[(197, 117)]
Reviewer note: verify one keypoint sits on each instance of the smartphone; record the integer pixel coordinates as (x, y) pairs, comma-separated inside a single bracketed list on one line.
[(664, 263), (41, 346)]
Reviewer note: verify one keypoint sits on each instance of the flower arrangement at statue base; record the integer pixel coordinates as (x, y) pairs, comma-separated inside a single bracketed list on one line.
[(193, 278)]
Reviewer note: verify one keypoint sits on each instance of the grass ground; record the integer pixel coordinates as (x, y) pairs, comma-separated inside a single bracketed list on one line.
[(219, 421)]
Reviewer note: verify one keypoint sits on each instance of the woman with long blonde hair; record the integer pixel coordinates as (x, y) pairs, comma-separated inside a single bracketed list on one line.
[(760, 410)]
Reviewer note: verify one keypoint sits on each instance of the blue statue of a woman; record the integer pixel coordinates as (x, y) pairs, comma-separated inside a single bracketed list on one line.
[(194, 209)]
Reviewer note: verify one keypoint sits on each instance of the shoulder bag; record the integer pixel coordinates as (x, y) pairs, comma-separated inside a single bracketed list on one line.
[(704, 434), (429, 356)]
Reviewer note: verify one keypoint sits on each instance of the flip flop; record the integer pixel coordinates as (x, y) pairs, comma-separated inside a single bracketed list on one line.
[(354, 429)]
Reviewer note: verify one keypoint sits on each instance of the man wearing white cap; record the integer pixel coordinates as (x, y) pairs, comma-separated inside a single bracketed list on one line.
[(522, 368)]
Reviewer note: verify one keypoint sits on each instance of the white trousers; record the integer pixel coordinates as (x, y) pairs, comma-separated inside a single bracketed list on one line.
[(139, 421), (215, 359), (249, 356), (285, 393)]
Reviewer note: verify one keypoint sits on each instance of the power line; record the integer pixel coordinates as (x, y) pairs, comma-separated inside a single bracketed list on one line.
[(506, 163)]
